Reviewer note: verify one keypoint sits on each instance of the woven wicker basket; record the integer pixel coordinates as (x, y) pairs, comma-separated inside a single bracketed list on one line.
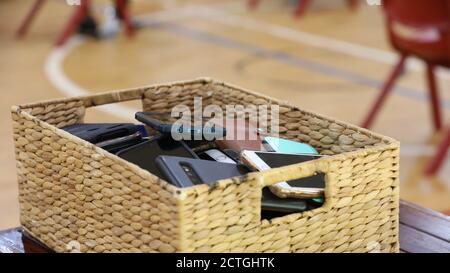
[(73, 194)]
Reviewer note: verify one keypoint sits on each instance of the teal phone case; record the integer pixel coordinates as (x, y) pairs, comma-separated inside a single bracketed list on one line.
[(286, 146)]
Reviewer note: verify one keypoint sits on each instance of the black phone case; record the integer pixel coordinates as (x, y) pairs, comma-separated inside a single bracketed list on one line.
[(143, 155), (98, 132), (151, 119), (271, 202), (211, 171), (120, 146), (207, 171), (155, 123)]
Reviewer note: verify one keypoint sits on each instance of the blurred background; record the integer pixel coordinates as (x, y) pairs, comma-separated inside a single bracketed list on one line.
[(330, 57)]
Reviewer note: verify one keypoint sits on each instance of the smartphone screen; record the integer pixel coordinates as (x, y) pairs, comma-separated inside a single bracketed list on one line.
[(144, 154), (276, 160), (287, 146)]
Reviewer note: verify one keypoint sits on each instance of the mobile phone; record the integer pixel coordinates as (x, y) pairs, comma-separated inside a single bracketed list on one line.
[(309, 187), (163, 123), (232, 154), (186, 172), (241, 135), (99, 132), (272, 203), (144, 154), (284, 206), (286, 146), (216, 155), (117, 144)]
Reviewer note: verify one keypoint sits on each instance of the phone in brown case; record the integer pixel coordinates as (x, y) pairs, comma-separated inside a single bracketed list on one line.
[(241, 135)]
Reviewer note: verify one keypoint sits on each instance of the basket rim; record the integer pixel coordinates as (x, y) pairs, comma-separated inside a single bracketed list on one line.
[(325, 159), (88, 100), (135, 168), (386, 142), (309, 112)]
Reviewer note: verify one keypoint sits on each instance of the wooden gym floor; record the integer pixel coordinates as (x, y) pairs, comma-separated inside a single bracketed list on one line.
[(331, 61)]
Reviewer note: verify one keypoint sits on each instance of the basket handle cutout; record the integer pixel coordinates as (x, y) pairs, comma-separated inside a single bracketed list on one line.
[(273, 198)]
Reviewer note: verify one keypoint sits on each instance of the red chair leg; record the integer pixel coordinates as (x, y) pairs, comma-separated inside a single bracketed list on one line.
[(301, 7), (387, 88), (434, 97), (79, 14), (436, 163), (252, 4), (122, 9), (23, 28)]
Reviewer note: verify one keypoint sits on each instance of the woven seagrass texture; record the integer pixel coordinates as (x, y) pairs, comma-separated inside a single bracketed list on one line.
[(75, 194)]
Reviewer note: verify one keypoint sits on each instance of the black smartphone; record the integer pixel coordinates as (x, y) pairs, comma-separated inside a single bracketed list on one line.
[(164, 123), (185, 172), (118, 144), (99, 132), (144, 154), (273, 206), (271, 202)]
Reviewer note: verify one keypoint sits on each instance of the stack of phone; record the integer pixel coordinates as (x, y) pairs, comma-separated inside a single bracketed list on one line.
[(204, 161), (215, 165), (112, 137)]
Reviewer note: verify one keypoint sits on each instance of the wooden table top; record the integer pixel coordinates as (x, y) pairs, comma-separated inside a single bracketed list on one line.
[(421, 231)]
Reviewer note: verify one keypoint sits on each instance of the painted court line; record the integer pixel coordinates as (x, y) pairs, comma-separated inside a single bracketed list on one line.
[(289, 59), (313, 40), (55, 72)]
